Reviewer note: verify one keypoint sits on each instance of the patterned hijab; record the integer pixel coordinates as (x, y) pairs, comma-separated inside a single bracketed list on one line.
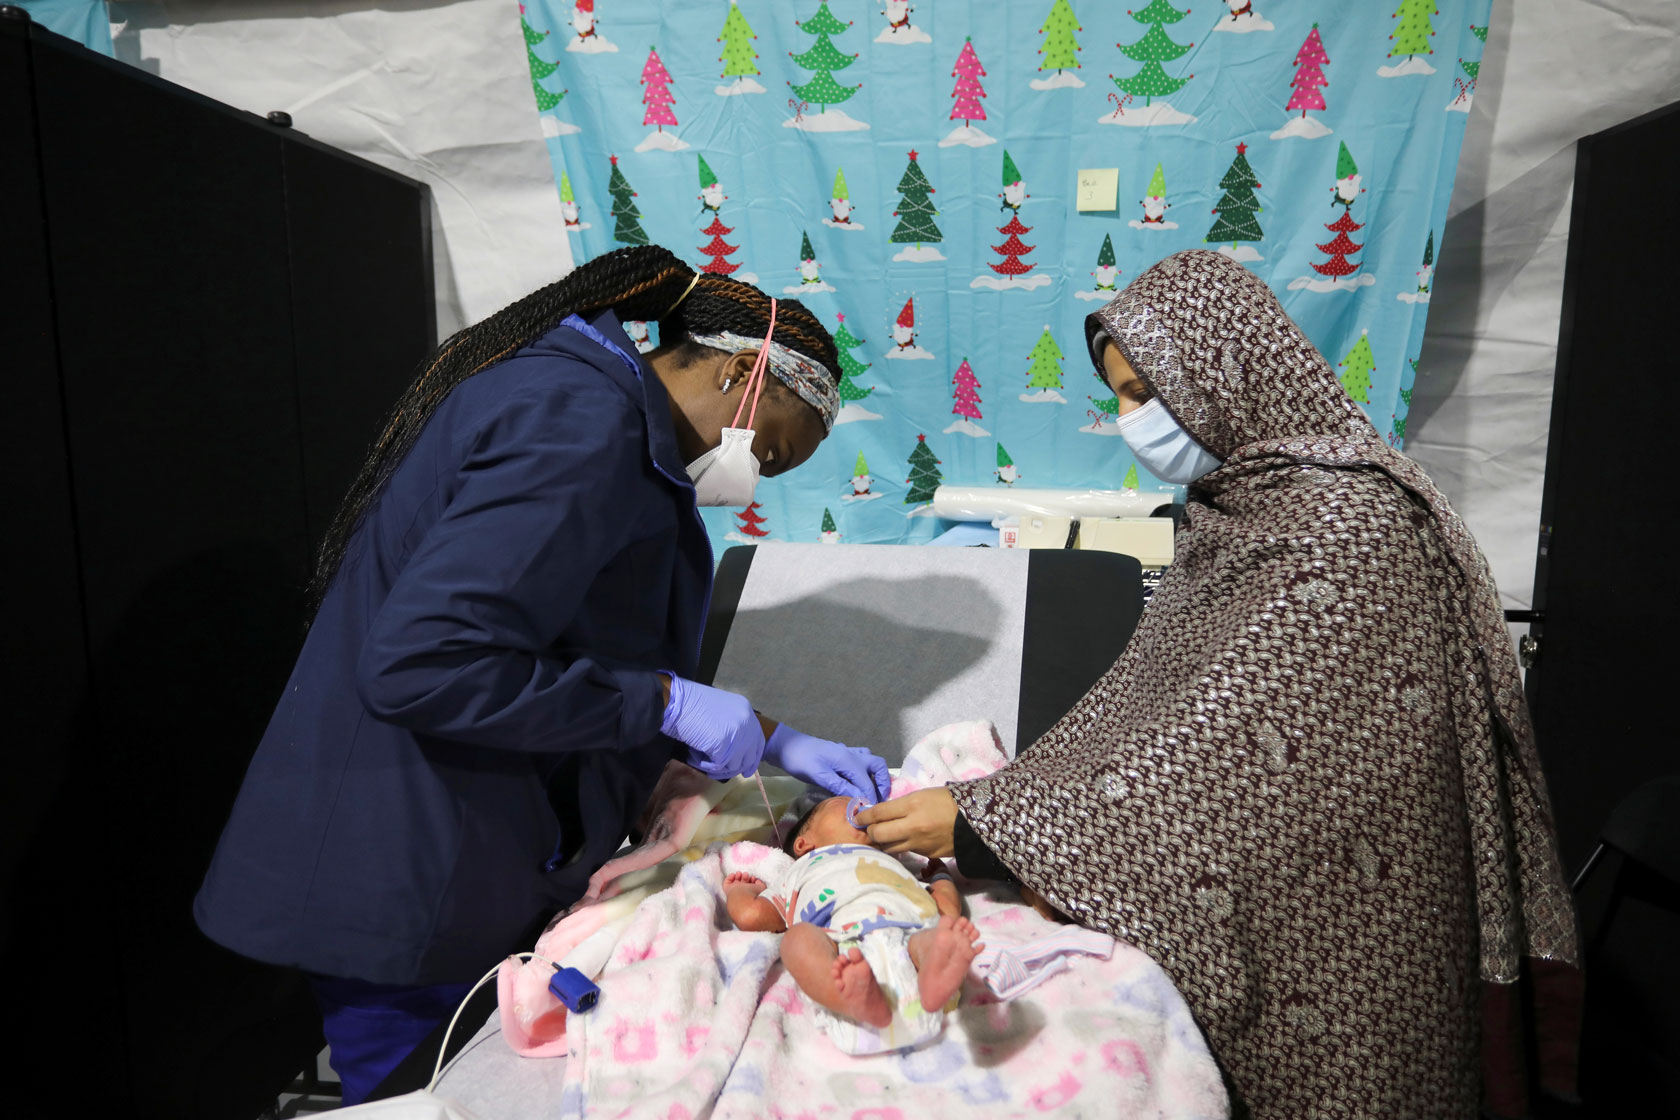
[(1309, 786)]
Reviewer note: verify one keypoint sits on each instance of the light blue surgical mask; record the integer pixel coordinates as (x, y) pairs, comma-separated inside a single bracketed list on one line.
[(1166, 450)]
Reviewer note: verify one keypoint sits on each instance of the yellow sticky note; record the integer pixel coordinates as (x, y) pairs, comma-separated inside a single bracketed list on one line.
[(1098, 188)]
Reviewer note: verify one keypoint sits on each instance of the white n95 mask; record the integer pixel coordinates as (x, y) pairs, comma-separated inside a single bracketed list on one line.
[(726, 475), (1166, 450)]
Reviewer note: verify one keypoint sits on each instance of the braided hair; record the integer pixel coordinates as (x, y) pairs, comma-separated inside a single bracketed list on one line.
[(642, 282)]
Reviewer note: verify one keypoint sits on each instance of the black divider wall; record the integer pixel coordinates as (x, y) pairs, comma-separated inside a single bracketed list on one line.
[(217, 313)]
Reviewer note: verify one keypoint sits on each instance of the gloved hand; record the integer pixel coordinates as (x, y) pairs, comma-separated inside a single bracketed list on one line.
[(843, 770), (720, 729)]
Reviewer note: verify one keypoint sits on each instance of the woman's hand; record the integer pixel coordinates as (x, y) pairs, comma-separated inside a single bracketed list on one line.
[(920, 822)]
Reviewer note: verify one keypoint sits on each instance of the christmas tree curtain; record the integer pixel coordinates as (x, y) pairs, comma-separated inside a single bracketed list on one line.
[(908, 169)]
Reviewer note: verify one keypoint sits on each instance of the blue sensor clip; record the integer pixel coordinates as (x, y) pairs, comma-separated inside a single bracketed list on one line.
[(574, 989)]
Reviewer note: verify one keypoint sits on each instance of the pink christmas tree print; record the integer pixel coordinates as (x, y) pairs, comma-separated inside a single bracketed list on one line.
[(1307, 87), (967, 93), (966, 402), (658, 99)]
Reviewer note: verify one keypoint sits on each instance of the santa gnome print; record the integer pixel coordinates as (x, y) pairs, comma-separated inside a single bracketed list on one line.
[(810, 278), (830, 531), (1243, 18), (589, 39), (1006, 471), (1012, 272), (1338, 274), (899, 30), (1155, 204), (904, 336), (1106, 275), (840, 204), (968, 93), (860, 483), (568, 204)]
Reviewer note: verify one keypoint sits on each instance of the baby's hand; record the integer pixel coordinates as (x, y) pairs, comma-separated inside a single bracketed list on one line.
[(742, 879)]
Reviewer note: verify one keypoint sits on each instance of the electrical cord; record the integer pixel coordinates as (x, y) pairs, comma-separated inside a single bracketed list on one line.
[(437, 1070)]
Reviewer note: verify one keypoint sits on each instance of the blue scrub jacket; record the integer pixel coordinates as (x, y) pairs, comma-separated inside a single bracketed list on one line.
[(473, 724)]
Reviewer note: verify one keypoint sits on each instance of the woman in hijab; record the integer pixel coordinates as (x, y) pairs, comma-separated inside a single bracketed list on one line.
[(1309, 787)]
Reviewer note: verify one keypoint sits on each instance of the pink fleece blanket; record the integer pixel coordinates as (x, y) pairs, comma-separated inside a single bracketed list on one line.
[(698, 1019)]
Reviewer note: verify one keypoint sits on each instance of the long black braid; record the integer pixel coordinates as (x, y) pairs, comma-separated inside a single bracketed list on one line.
[(637, 283)]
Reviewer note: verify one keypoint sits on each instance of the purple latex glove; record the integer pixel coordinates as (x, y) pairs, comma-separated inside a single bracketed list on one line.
[(720, 729), (843, 770)]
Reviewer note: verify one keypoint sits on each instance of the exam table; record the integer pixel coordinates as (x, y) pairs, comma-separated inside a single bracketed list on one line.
[(873, 645)]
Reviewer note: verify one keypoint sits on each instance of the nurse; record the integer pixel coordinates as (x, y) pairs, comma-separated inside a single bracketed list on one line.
[(507, 619)]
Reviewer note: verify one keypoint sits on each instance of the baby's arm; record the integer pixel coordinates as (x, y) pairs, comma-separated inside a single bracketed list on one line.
[(747, 909)]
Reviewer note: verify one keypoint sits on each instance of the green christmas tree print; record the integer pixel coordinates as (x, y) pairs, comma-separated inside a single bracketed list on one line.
[(1237, 208), (924, 474), (738, 58), (628, 230), (540, 69), (1059, 44), (823, 58), (1479, 32), (845, 341), (1045, 372), (915, 209), (1153, 49), (1412, 35), (1358, 367), (1130, 482)]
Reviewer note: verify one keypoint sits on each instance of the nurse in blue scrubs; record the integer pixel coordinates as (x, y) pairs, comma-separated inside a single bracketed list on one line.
[(507, 622)]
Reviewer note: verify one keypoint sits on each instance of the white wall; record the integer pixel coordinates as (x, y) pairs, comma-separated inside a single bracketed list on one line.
[(440, 91)]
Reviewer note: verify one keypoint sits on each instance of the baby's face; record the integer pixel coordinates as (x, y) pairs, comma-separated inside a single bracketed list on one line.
[(827, 826)]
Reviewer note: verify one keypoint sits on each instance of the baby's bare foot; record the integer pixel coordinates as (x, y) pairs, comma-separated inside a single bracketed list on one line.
[(942, 958), (859, 995)]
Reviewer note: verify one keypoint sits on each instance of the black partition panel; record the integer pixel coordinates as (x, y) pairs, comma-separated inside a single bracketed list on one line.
[(1605, 593), (209, 315), (1604, 581)]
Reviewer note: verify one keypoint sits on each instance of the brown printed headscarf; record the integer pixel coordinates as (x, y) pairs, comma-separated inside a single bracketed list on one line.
[(1309, 787)]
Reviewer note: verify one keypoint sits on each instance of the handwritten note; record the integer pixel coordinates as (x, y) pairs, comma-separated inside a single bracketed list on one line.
[(1098, 188)]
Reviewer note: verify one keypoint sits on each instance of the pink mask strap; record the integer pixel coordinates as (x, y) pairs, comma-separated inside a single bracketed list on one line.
[(761, 368)]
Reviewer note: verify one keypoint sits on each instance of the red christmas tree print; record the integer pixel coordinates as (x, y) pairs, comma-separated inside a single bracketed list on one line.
[(1013, 250), (968, 93), (750, 520), (1338, 265), (718, 249), (1309, 78), (658, 97), (967, 400)]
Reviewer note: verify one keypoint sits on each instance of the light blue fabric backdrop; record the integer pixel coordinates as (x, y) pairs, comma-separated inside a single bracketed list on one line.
[(1400, 117)]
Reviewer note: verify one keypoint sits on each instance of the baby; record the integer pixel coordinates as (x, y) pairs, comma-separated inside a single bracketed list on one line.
[(846, 905)]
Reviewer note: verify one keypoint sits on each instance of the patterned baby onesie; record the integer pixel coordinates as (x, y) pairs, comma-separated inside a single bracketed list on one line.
[(863, 897)]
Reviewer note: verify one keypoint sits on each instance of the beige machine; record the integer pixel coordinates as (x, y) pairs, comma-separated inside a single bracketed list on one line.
[(1149, 539)]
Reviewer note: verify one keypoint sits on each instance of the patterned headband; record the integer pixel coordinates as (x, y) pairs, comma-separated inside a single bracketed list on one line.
[(805, 376)]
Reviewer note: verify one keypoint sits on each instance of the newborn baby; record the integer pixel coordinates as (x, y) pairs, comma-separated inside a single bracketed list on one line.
[(847, 906)]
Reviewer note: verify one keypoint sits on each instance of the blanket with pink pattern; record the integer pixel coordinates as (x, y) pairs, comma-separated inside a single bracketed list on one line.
[(698, 1019)]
